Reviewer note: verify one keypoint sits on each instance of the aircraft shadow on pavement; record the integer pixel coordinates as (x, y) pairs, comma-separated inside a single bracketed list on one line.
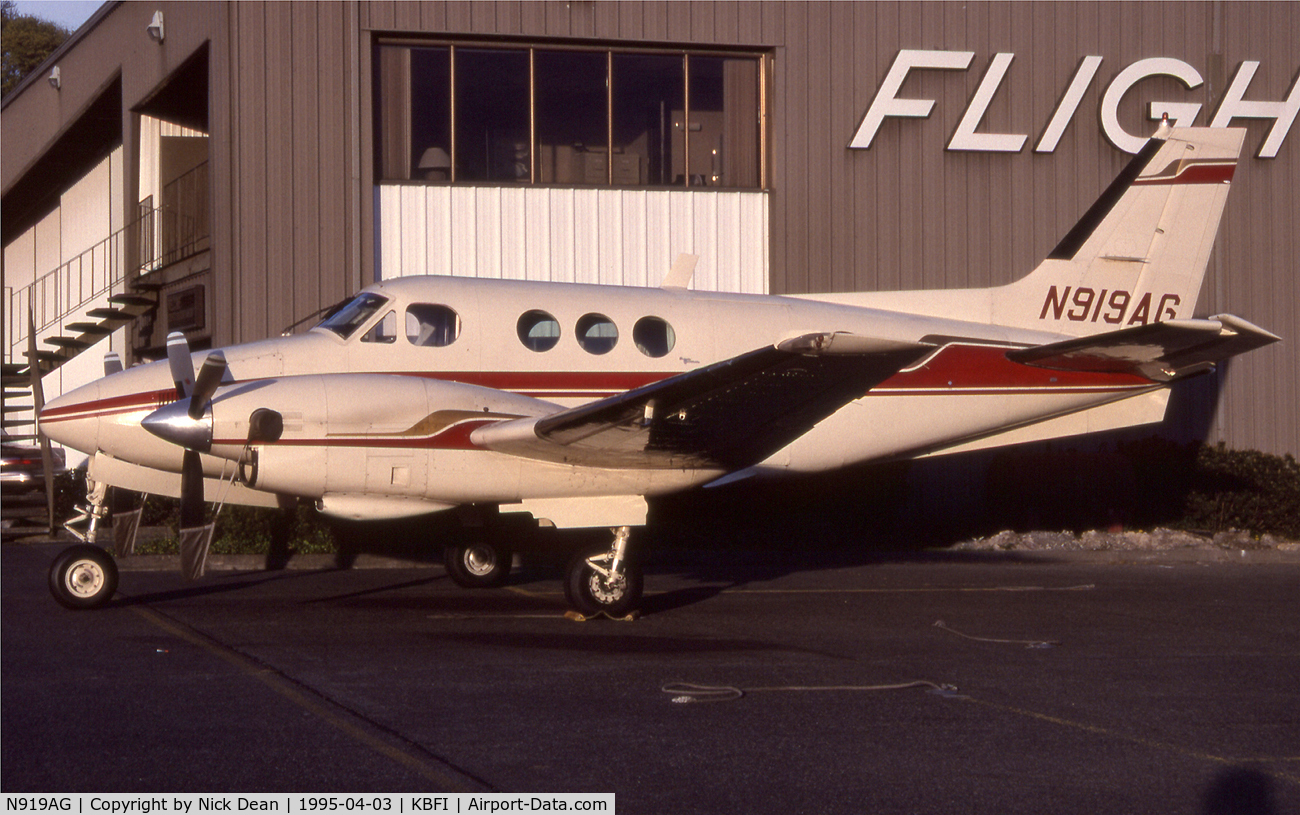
[(212, 585)]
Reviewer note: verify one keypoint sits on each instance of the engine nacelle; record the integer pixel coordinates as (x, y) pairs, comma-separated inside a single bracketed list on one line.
[(352, 433)]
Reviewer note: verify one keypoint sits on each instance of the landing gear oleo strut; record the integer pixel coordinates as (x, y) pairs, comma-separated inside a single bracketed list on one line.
[(604, 580)]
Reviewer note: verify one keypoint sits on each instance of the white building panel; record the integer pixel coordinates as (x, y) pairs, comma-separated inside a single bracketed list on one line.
[(617, 237), (20, 262), (85, 212)]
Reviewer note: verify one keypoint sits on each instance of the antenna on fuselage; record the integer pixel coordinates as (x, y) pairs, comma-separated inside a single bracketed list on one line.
[(679, 276)]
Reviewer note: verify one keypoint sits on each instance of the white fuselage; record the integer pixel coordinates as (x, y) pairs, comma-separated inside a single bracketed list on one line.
[(428, 392), (353, 405)]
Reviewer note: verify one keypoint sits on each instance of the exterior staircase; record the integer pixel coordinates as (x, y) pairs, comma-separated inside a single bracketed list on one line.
[(18, 414), (27, 513), (77, 328), (96, 293)]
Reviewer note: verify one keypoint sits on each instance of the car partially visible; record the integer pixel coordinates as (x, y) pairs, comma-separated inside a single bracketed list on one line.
[(22, 470)]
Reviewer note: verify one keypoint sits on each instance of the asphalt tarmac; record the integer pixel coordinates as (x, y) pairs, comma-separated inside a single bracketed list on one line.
[(1058, 682)]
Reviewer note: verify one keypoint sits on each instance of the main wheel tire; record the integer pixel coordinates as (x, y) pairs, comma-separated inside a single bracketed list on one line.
[(478, 565), (590, 592), (83, 576)]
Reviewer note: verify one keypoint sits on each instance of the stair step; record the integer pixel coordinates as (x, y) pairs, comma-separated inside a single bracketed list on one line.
[(89, 328), (17, 423), (133, 300), (70, 343), (14, 394), (14, 369), (110, 314), (10, 407)]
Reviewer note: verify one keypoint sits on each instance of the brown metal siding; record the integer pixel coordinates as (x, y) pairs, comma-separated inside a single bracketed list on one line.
[(290, 150), (908, 214), (291, 144)]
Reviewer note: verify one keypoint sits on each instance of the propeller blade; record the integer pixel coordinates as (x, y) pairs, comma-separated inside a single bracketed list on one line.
[(196, 536), (214, 367), (178, 357), (38, 402), (112, 363), (191, 490)]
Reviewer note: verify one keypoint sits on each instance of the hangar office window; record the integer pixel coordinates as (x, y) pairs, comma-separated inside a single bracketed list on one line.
[(570, 116)]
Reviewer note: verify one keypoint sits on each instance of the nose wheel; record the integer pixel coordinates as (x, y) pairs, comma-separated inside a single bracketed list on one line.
[(603, 580), (83, 576)]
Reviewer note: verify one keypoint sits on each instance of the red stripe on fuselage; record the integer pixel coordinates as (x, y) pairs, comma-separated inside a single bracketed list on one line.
[(985, 369), (593, 384), (561, 383), (110, 406), (957, 368)]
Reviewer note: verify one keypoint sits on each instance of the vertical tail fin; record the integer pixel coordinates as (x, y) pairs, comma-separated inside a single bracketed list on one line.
[(1138, 255)]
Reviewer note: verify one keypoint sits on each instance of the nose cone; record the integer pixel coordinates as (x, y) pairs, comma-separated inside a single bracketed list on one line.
[(73, 419)]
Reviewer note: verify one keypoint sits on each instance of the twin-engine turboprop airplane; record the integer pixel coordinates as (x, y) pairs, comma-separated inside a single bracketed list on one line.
[(576, 403)]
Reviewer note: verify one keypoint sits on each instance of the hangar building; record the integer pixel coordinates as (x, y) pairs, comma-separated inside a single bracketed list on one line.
[(231, 169)]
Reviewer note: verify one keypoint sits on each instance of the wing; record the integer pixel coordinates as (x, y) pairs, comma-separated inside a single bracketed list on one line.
[(728, 415), (1160, 352)]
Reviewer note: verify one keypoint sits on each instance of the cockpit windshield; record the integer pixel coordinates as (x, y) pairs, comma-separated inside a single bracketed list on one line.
[(355, 314)]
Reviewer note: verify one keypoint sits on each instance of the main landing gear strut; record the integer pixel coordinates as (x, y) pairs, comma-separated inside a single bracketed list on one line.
[(478, 564), (604, 580)]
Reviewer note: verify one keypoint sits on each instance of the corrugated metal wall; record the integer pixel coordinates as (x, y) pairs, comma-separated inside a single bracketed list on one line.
[(909, 214), (285, 141), (610, 237)]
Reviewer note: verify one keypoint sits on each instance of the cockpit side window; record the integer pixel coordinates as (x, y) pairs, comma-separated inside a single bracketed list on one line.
[(431, 325), (384, 331), (355, 314)]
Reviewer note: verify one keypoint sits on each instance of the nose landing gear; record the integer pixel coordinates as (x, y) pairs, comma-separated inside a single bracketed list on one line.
[(83, 576)]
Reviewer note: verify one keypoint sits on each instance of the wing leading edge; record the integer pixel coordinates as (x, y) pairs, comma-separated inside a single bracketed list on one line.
[(728, 415)]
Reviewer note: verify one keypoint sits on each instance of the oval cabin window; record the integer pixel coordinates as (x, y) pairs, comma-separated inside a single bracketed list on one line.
[(597, 334), (653, 336), (538, 330)]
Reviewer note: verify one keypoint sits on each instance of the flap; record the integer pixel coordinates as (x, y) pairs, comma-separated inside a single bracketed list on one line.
[(727, 415)]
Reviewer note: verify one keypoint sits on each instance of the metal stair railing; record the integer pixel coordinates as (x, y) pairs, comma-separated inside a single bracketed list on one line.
[(96, 276), (66, 290)]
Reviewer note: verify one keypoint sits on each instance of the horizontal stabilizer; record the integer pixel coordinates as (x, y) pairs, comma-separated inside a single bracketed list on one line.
[(1160, 352), (728, 415)]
